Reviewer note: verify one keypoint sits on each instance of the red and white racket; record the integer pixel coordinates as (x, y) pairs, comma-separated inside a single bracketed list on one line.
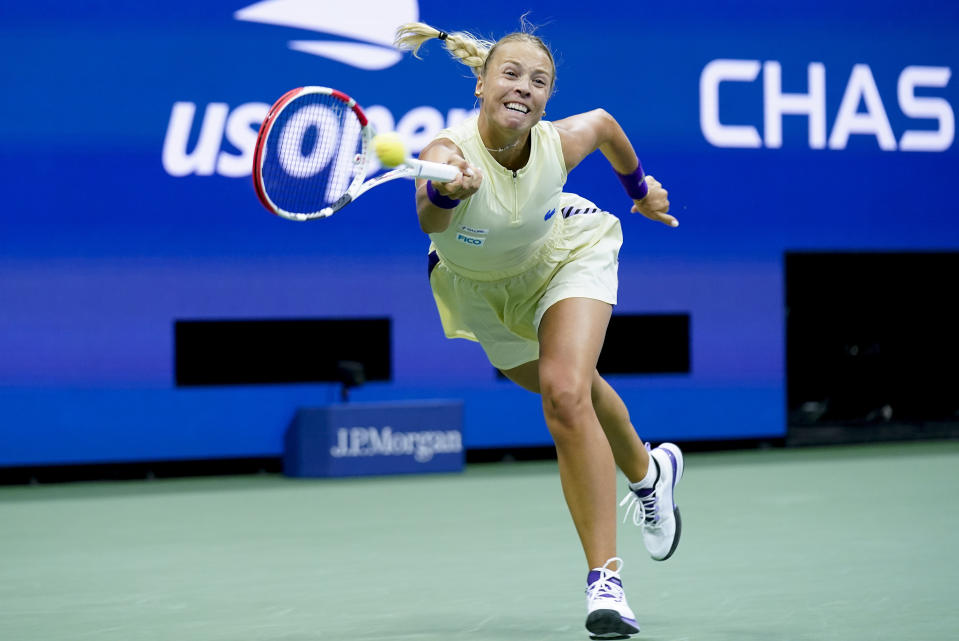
[(313, 153)]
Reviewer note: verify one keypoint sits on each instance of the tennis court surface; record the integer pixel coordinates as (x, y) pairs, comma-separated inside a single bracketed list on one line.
[(845, 543)]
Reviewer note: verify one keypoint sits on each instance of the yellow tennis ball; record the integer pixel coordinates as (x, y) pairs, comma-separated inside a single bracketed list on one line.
[(389, 149)]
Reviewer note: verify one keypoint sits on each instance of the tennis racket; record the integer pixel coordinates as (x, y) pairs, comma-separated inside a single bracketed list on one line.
[(313, 153)]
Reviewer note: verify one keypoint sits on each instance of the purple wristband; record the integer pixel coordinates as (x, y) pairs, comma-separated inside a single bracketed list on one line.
[(635, 183), (438, 199)]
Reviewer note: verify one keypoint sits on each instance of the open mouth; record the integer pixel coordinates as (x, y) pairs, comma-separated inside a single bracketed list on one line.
[(515, 106)]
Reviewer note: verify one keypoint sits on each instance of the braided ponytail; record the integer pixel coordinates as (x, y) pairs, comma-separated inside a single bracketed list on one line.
[(465, 47), (471, 51)]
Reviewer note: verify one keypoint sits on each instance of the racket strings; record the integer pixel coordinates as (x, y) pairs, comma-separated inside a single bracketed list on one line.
[(311, 153)]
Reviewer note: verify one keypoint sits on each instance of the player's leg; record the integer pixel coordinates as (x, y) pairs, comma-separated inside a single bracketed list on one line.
[(652, 475), (629, 451), (526, 376), (586, 464), (628, 448)]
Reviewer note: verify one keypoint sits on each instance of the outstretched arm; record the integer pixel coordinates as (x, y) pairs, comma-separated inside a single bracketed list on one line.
[(584, 133), (434, 205)]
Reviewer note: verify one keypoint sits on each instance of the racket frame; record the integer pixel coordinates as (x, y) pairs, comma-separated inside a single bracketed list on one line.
[(361, 163), (411, 168)]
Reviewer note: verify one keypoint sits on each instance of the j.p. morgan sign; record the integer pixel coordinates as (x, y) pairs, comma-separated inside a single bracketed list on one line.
[(380, 438)]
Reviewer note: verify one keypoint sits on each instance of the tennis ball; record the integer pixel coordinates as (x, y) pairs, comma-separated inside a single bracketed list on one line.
[(389, 149)]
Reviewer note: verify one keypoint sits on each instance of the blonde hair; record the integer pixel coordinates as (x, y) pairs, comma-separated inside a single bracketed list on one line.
[(472, 51)]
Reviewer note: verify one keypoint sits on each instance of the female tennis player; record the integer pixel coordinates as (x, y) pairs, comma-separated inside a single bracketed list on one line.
[(530, 273)]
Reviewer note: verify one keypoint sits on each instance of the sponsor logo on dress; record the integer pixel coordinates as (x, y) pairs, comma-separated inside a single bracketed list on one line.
[(470, 240)]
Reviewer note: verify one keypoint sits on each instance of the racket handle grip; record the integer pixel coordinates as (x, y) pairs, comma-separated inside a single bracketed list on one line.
[(433, 170)]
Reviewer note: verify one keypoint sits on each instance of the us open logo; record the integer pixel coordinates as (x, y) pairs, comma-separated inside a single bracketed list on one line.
[(371, 39), (217, 138)]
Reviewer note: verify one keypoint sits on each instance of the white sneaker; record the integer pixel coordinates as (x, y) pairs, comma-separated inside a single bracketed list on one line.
[(655, 507), (607, 614)]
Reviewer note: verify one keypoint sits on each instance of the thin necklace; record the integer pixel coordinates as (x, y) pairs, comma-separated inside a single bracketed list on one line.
[(509, 146)]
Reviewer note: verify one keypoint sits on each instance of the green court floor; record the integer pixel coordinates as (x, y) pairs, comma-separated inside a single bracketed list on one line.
[(851, 543)]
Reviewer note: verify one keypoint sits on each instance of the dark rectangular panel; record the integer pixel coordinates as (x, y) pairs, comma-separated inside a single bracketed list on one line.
[(231, 352), (646, 344), (872, 336)]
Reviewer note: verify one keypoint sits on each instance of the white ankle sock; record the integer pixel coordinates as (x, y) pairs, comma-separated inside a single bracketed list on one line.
[(652, 475)]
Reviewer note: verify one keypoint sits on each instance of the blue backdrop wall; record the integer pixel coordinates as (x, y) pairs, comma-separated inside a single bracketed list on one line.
[(126, 134)]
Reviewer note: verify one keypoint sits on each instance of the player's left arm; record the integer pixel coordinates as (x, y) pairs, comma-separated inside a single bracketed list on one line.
[(584, 133)]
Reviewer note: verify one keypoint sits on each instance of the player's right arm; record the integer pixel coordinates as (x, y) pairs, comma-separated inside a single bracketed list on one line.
[(434, 219)]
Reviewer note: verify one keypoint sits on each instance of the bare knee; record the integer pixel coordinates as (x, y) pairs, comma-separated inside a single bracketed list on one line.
[(566, 401)]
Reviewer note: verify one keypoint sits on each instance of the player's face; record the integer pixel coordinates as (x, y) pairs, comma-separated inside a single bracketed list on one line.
[(516, 85)]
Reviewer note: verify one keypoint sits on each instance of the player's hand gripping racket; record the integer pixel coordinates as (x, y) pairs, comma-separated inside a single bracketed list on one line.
[(313, 153)]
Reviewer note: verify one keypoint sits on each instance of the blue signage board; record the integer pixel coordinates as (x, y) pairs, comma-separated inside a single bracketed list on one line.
[(374, 439), (126, 142)]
